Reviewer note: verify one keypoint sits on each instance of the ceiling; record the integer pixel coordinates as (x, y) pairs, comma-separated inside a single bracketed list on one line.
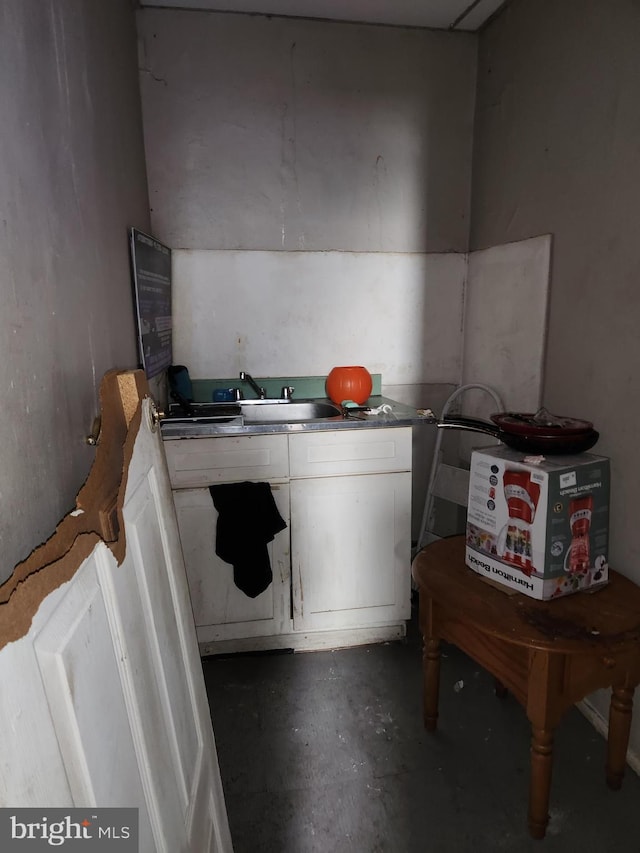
[(467, 15)]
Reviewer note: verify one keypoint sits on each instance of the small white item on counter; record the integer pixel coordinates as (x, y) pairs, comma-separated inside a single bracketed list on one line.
[(385, 408), (534, 460)]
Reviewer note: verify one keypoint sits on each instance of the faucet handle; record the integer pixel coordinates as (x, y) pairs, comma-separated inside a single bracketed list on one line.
[(246, 377), (287, 392)]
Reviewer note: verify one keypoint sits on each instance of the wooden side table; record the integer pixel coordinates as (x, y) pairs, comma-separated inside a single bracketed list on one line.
[(549, 654)]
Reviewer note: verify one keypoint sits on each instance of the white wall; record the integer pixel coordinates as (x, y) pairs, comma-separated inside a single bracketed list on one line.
[(72, 180), (557, 152), (302, 313), (505, 320), (276, 133)]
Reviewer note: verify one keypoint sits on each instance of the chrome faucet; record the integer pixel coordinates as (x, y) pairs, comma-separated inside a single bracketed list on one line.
[(259, 391)]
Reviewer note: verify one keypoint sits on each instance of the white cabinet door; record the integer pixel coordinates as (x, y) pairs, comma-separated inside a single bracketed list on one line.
[(351, 544), (221, 610)]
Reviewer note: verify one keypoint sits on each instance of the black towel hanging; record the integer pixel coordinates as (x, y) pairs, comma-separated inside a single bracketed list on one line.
[(248, 519)]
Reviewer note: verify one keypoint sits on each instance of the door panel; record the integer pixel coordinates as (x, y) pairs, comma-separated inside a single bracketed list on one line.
[(146, 632), (78, 687)]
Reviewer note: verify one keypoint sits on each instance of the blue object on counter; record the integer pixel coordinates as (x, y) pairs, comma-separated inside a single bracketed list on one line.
[(180, 384), (223, 395)]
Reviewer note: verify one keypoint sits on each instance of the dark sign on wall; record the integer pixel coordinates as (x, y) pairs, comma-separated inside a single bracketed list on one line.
[(151, 264)]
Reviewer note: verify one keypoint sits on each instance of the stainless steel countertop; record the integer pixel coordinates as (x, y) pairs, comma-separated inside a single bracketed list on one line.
[(400, 415)]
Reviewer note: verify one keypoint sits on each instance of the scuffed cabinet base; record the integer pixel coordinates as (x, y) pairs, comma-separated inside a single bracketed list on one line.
[(307, 641)]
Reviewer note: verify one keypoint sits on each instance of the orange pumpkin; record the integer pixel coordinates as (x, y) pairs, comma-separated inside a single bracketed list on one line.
[(349, 383)]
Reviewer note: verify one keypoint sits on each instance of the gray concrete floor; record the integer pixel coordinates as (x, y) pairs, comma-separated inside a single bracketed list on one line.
[(325, 752)]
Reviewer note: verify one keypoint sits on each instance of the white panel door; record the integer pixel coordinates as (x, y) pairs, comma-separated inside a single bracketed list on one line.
[(103, 700), (350, 550)]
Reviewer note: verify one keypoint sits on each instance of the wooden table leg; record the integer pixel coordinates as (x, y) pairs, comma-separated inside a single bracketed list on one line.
[(499, 689), (431, 673), (541, 764), (620, 711)]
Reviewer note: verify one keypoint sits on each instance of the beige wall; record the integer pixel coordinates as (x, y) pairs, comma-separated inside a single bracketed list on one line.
[(557, 149), (72, 180)]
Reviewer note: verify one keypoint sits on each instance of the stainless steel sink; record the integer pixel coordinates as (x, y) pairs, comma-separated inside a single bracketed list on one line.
[(287, 411), (206, 418)]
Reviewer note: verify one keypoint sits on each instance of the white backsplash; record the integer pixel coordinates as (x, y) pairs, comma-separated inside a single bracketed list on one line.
[(505, 324), (302, 313)]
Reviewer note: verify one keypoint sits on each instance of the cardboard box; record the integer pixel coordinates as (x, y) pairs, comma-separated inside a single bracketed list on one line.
[(542, 529)]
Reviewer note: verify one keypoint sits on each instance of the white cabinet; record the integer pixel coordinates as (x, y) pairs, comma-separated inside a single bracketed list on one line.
[(341, 568)]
